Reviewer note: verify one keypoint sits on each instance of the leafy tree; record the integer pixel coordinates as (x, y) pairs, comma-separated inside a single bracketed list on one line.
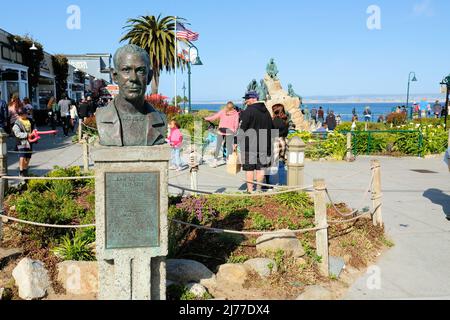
[(61, 69), (157, 36)]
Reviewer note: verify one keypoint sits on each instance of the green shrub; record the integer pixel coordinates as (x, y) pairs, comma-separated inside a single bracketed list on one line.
[(261, 223), (294, 200), (238, 259), (75, 249)]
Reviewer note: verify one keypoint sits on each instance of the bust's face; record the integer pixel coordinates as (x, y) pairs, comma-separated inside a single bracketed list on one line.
[(131, 76)]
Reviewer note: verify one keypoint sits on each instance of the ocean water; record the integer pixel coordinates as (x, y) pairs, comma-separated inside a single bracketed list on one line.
[(342, 109)]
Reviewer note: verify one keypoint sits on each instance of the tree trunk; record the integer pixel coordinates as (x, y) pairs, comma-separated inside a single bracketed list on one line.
[(155, 81)]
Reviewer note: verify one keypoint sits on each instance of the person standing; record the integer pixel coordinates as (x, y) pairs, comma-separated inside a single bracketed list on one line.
[(83, 110), (254, 138), (175, 141), (28, 108), (437, 109), (73, 116), (22, 129), (331, 121), (314, 114), (367, 114), (320, 115), (64, 108), (13, 106), (338, 120), (228, 127), (51, 109), (277, 173), (3, 114)]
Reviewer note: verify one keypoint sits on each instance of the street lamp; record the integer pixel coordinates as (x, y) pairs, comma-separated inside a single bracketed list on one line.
[(414, 79), (446, 82), (184, 96), (194, 59), (296, 162)]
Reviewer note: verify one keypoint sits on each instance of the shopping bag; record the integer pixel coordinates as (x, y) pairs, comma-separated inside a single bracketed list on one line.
[(234, 165)]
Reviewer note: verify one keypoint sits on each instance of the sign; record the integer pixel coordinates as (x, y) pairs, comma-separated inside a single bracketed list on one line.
[(81, 65), (132, 210)]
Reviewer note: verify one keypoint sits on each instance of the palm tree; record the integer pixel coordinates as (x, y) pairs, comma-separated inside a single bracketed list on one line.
[(157, 36)]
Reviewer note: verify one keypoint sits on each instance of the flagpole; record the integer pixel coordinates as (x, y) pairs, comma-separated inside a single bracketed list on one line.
[(176, 62)]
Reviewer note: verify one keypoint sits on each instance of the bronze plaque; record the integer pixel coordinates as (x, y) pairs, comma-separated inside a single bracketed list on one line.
[(132, 210)]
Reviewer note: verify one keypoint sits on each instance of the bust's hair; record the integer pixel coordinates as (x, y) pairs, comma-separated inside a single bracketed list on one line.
[(134, 49)]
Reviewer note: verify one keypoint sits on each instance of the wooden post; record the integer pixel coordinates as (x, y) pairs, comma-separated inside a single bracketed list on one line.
[(376, 194), (80, 130), (3, 172), (349, 156), (320, 210), (85, 154)]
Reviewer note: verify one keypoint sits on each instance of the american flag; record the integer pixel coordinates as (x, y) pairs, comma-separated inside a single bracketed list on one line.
[(184, 33)]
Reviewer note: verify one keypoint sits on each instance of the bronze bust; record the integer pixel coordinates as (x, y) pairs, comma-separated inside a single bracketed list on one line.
[(129, 120)]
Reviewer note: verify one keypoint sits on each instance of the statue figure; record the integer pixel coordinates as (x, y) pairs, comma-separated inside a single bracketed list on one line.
[(129, 120), (292, 93), (272, 69), (253, 86), (263, 91)]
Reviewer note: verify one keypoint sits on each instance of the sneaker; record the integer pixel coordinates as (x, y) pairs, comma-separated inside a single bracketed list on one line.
[(214, 163), (180, 169), (173, 168)]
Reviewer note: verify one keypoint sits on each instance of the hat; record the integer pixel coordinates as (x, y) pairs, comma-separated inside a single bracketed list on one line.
[(251, 95)]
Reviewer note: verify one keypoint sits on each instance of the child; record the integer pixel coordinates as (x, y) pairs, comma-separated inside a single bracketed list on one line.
[(175, 140), (22, 129)]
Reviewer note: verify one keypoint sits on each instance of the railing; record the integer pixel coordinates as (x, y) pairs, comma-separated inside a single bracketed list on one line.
[(369, 134)]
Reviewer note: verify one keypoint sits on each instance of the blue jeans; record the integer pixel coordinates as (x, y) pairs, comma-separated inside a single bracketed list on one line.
[(281, 177), (176, 158)]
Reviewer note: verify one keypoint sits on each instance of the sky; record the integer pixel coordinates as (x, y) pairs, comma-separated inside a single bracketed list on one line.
[(322, 47)]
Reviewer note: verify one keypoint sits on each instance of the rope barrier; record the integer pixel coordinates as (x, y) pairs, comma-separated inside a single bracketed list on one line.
[(365, 195), (243, 195), (47, 225), (216, 230), (47, 178), (274, 186), (355, 218)]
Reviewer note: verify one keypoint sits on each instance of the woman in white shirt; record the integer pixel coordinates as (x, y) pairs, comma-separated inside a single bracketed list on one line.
[(73, 116)]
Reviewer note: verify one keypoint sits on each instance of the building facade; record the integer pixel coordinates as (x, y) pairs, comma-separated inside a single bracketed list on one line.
[(13, 73), (98, 65)]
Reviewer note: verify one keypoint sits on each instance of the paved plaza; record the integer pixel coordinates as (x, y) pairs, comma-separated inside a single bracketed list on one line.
[(416, 199)]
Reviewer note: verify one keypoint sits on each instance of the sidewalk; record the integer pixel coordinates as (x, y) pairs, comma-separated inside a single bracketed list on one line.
[(414, 207)]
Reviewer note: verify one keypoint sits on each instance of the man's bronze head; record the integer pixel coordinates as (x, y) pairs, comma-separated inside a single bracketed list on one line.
[(132, 72)]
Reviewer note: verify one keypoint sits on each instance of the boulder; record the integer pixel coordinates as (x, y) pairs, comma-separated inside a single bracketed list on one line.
[(316, 293), (186, 271), (197, 289), (78, 277), (284, 240), (233, 273), (32, 279), (263, 267)]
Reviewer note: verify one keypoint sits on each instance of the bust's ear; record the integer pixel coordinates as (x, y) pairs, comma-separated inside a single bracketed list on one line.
[(150, 77)]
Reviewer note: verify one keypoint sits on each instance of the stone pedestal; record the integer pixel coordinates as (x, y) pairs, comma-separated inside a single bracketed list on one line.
[(131, 194)]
